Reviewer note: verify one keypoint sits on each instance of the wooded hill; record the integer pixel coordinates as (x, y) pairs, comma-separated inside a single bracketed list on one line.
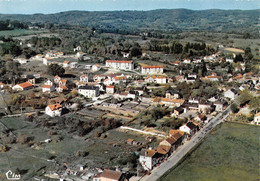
[(162, 19)]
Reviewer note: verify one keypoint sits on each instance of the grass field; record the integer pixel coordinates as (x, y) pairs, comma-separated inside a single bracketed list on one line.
[(235, 50), (19, 32), (231, 154)]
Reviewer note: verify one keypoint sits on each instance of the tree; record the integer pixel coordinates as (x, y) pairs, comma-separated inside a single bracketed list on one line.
[(234, 108), (245, 97), (55, 69)]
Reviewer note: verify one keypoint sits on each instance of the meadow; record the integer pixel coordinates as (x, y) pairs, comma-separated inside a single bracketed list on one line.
[(231, 153)]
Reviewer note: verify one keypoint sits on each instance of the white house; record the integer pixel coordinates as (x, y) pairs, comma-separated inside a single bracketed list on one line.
[(48, 88), (57, 79), (66, 64), (39, 56), (23, 86), (185, 129), (257, 119), (48, 82), (89, 91), (46, 61), (231, 93), (83, 78), (1, 85), (120, 64), (73, 65), (95, 68), (147, 159), (53, 110), (22, 60), (230, 60), (80, 54), (110, 89), (149, 69)]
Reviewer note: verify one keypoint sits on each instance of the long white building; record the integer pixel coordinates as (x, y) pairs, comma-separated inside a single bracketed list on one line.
[(152, 69), (120, 64)]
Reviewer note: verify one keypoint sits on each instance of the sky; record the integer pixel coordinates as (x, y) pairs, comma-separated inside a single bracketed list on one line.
[(54, 6)]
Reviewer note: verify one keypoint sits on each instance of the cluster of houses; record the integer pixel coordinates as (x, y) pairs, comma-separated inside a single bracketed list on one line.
[(150, 158)]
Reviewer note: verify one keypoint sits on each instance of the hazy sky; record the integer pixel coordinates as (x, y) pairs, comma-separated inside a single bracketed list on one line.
[(53, 6)]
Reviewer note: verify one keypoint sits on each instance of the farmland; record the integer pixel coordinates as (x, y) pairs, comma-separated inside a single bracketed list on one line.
[(19, 32), (229, 154)]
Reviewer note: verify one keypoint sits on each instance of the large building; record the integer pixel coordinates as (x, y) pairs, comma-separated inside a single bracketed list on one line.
[(120, 64), (89, 91), (152, 69)]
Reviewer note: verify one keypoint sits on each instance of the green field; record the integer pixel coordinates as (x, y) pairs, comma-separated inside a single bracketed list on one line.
[(19, 32), (232, 154)]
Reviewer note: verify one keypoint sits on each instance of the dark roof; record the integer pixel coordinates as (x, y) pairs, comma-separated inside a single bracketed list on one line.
[(191, 125), (173, 92), (179, 109), (89, 87)]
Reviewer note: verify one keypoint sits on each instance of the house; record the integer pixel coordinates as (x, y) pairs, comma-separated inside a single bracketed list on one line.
[(169, 102), (57, 79), (178, 111), (161, 79), (95, 68), (46, 61), (66, 64), (79, 54), (130, 141), (152, 69), (53, 110), (125, 54), (230, 60), (48, 88), (172, 94), (187, 61), (74, 65), (189, 128), (179, 136), (231, 93), (39, 56), (163, 151), (61, 88), (119, 79), (120, 64), (84, 78), (156, 79), (110, 89), (148, 158), (110, 175), (170, 141), (218, 106), (63, 82), (22, 60), (23, 86), (1, 85), (257, 119), (89, 91), (204, 107)]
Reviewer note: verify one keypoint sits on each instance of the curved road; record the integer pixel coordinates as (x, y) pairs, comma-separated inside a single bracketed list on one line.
[(181, 151)]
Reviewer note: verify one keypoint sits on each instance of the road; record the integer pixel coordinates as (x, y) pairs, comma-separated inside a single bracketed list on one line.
[(181, 151)]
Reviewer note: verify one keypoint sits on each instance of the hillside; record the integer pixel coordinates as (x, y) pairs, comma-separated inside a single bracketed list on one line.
[(183, 19)]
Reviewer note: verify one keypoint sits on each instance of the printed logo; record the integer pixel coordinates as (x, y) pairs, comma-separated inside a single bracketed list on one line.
[(12, 176)]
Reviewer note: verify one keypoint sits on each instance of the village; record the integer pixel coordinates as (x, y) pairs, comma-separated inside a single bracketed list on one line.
[(144, 99)]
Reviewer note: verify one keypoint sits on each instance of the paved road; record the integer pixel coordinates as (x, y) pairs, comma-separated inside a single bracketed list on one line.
[(184, 149)]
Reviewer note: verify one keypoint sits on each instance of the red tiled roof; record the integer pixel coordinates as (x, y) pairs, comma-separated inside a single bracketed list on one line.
[(54, 107), (25, 85), (111, 174), (120, 61), (110, 86), (152, 66), (46, 86)]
